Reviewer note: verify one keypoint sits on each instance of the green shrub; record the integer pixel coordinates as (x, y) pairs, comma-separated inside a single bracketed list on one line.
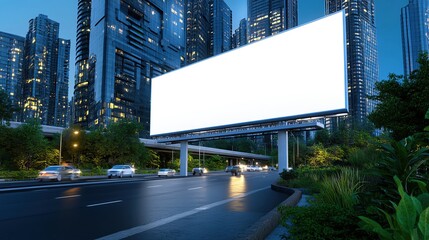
[(288, 175), (341, 189), (362, 158), (19, 175), (321, 221), (410, 220), (309, 178)]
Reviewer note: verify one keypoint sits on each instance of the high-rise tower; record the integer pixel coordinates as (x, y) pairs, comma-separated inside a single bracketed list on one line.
[(130, 42), (268, 17), (45, 72), (415, 32), (240, 35), (11, 60), (362, 59), (83, 94), (197, 30), (220, 27)]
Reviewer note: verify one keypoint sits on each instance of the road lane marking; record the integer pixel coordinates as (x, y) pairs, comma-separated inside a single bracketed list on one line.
[(69, 196), (104, 203), (154, 186), (195, 188), (142, 228)]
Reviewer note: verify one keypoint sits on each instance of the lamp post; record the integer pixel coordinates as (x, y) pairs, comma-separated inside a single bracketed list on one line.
[(293, 148), (61, 145)]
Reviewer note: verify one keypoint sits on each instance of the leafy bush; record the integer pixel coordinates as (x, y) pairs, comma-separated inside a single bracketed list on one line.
[(318, 155), (288, 175), (362, 157), (410, 220), (19, 175), (309, 178), (321, 221), (404, 159)]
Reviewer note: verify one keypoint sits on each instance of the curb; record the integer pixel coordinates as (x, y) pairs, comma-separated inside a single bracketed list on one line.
[(265, 225)]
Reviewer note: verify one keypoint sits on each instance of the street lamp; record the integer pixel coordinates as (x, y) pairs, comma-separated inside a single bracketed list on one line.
[(61, 144), (293, 148)]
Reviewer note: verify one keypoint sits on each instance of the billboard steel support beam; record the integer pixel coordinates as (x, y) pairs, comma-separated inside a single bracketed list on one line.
[(282, 143), (184, 158)]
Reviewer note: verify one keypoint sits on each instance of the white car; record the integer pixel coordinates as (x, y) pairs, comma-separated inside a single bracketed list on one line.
[(258, 168), (59, 173), (121, 171), (166, 172)]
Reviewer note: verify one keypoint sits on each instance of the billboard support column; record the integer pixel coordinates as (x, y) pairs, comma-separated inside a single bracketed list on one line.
[(184, 158), (282, 144)]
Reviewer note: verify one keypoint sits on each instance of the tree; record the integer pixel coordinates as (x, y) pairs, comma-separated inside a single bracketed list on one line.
[(28, 147), (123, 143), (6, 107), (403, 102)]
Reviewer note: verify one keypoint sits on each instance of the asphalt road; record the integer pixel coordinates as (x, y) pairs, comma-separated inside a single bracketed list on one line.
[(215, 206)]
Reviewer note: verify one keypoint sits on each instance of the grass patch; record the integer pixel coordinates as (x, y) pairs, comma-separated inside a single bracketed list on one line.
[(341, 189)]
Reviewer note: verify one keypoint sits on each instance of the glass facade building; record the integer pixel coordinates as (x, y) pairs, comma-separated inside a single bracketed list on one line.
[(11, 60), (415, 33), (197, 30), (220, 27), (268, 17), (58, 106), (45, 73), (130, 42), (362, 57), (83, 87), (240, 35)]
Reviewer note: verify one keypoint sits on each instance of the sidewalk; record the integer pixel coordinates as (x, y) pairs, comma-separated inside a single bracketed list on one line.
[(281, 230)]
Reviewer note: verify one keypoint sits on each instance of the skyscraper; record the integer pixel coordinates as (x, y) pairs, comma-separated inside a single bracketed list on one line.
[(11, 60), (415, 32), (268, 17), (130, 42), (60, 85), (83, 88), (220, 27), (240, 35), (197, 30), (45, 72), (362, 59)]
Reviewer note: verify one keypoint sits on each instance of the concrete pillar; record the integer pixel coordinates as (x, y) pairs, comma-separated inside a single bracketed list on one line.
[(184, 158), (282, 144)]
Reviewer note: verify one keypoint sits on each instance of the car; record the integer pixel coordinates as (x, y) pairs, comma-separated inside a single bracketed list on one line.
[(272, 168), (58, 173), (228, 168), (121, 171), (166, 172), (199, 170), (236, 170), (258, 168)]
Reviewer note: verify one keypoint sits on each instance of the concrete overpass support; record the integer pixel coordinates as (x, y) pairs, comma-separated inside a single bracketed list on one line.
[(184, 158), (282, 144)]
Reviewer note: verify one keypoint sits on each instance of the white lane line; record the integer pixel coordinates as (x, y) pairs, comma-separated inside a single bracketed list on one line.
[(104, 203), (69, 196), (195, 188), (154, 186), (142, 228)]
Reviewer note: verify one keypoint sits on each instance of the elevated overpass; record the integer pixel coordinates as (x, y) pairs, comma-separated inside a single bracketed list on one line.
[(154, 144)]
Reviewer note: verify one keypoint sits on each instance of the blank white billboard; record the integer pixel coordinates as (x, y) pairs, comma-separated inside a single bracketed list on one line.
[(297, 73)]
